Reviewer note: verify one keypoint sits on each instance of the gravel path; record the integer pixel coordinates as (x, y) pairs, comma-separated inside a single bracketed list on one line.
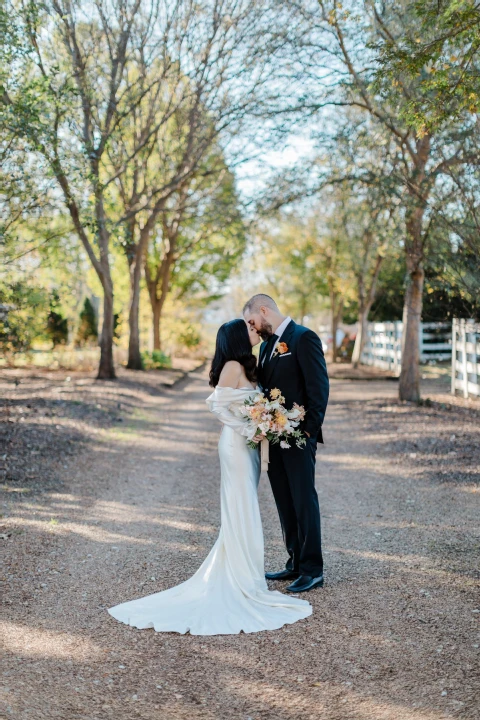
[(124, 501)]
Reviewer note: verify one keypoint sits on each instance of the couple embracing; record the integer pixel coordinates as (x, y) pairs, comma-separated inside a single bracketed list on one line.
[(228, 594)]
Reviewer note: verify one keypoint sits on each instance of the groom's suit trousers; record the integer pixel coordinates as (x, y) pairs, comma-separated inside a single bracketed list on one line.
[(292, 477)]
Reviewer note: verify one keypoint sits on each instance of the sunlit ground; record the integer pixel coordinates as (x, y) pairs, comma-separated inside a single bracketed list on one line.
[(109, 510)]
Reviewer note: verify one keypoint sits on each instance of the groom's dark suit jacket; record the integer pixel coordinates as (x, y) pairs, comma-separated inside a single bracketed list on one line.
[(300, 374)]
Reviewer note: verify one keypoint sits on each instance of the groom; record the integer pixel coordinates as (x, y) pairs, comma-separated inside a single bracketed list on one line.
[(291, 359)]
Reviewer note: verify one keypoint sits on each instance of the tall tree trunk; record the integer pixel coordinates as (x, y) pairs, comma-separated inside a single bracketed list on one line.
[(106, 369), (337, 307), (135, 256), (419, 187), (409, 384), (158, 287), (134, 357), (365, 302), (157, 307), (156, 315), (361, 335)]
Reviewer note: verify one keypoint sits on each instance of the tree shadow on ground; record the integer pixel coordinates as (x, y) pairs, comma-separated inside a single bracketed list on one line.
[(390, 632)]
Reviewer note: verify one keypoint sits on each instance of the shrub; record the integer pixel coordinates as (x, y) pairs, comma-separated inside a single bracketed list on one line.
[(57, 328), (87, 330), (57, 325), (22, 318), (156, 360), (189, 337)]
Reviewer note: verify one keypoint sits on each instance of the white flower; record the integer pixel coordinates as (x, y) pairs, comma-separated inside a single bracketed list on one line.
[(284, 444), (238, 410)]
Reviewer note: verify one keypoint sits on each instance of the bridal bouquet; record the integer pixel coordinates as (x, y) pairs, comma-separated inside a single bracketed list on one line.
[(271, 418)]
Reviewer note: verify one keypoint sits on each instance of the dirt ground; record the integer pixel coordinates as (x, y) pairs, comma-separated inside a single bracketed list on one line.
[(111, 492)]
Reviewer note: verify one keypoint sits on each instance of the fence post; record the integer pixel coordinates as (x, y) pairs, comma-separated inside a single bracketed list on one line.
[(454, 355), (397, 348), (420, 342), (464, 357), (474, 336)]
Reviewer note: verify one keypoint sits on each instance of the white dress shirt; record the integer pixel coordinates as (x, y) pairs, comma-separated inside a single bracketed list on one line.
[(279, 331)]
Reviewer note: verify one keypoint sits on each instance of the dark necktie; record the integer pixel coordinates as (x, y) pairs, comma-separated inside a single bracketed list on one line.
[(268, 350)]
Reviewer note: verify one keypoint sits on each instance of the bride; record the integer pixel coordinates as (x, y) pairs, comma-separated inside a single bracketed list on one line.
[(228, 593)]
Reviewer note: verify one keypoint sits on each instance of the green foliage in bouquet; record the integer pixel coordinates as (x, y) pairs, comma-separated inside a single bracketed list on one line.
[(272, 420)]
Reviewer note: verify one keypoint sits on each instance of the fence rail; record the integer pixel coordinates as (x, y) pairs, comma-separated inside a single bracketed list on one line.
[(383, 345), (466, 357)]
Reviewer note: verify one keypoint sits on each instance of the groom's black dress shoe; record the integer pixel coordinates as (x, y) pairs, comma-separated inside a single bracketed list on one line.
[(305, 583), (282, 575)]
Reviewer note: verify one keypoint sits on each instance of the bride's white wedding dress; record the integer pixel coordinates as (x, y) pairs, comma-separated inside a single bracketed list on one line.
[(228, 593)]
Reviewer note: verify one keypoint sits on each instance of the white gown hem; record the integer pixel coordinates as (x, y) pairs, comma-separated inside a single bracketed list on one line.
[(228, 594), (211, 632)]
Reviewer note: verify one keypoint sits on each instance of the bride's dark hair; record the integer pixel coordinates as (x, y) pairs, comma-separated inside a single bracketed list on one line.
[(233, 343)]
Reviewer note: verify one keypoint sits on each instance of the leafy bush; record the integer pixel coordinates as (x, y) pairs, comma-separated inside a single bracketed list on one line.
[(87, 330), (57, 328), (23, 316), (117, 327), (57, 325), (189, 337), (156, 360)]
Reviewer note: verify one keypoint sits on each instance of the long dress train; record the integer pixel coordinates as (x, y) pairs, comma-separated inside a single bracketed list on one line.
[(228, 593)]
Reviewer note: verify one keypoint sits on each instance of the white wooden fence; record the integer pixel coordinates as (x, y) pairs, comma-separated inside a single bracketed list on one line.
[(383, 345), (466, 357)]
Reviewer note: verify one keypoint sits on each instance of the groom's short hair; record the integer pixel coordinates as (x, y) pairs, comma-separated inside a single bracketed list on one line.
[(259, 300)]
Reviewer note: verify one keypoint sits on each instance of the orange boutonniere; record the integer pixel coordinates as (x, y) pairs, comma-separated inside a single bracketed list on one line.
[(280, 348)]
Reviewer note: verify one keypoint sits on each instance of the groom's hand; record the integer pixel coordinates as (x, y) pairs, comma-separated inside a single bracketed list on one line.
[(307, 434), (258, 438)]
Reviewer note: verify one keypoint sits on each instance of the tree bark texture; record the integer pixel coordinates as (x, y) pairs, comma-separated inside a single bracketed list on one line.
[(106, 369)]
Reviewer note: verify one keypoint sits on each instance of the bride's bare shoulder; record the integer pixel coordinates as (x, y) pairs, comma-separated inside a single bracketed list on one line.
[(230, 374)]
